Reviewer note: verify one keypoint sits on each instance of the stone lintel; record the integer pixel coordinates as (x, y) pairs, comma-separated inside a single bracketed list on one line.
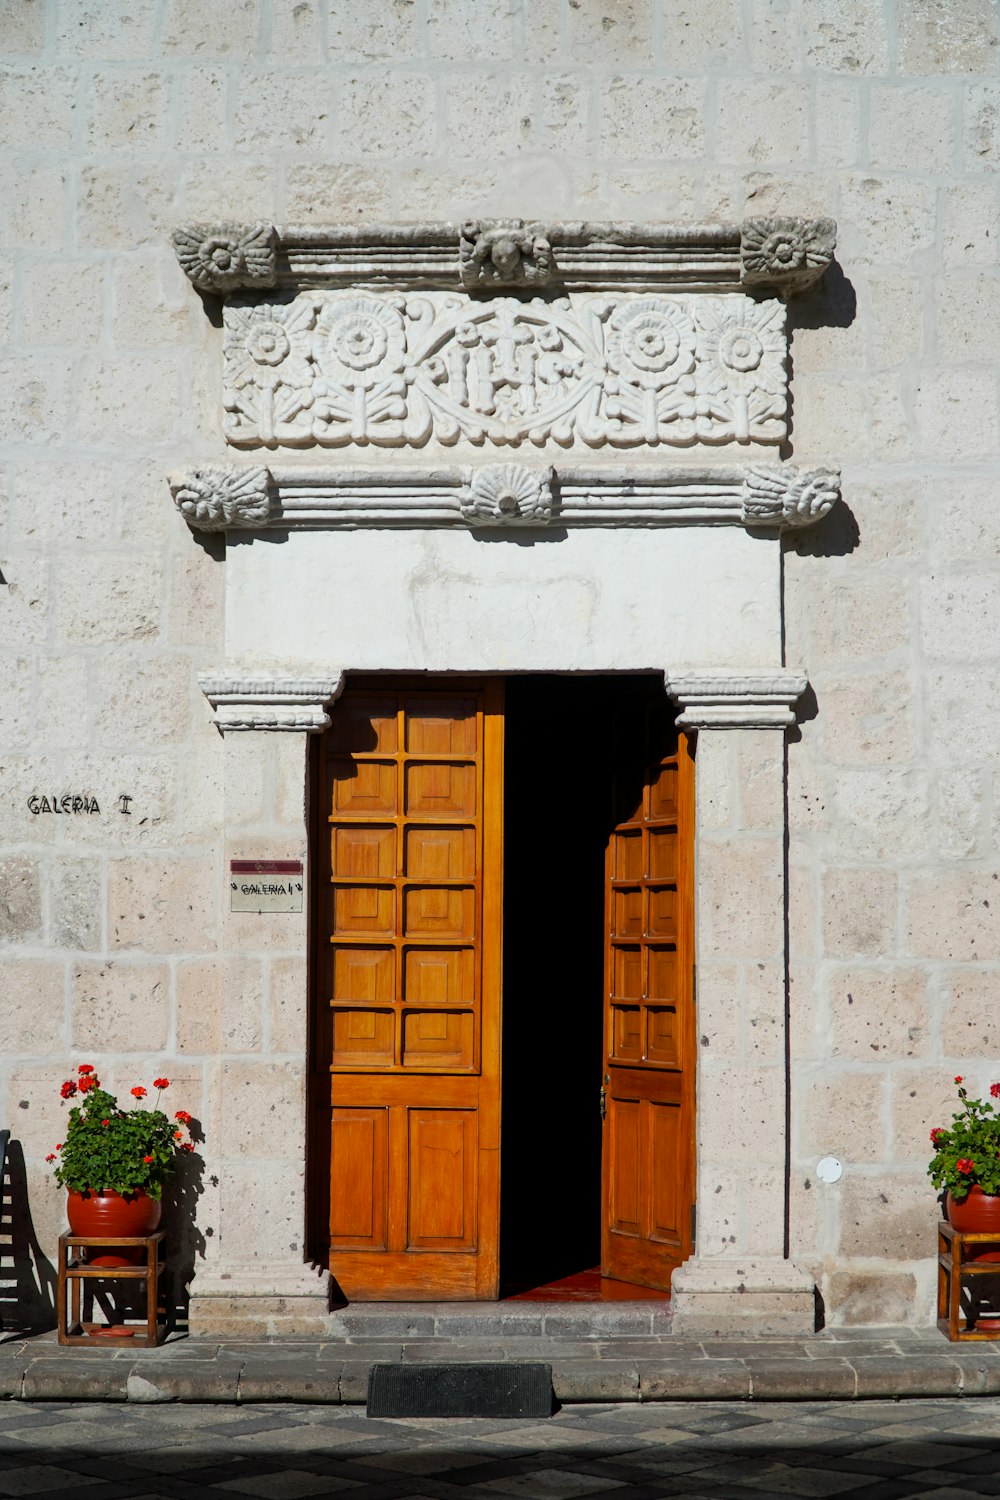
[(715, 1296), (786, 254), (726, 698), (263, 702)]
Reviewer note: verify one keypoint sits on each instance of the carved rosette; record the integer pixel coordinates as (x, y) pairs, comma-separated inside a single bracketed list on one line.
[(217, 498), (790, 252), (396, 372), (789, 496), (742, 379), (504, 253), (507, 495), (267, 348), (219, 258)]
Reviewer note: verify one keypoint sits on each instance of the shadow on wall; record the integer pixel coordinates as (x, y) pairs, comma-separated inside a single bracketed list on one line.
[(832, 303), (185, 1241), (27, 1276)]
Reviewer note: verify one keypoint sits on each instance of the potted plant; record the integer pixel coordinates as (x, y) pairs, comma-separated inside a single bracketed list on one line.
[(966, 1163), (114, 1162)]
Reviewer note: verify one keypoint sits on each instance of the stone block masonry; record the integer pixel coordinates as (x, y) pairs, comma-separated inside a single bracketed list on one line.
[(884, 116)]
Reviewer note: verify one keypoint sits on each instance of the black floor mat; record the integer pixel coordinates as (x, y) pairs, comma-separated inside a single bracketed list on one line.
[(479, 1390)]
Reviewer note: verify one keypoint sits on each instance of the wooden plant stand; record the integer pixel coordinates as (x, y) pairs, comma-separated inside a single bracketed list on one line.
[(955, 1269), (74, 1271)]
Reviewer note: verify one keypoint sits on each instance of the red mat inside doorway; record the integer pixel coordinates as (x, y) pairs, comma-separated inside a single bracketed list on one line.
[(588, 1286)]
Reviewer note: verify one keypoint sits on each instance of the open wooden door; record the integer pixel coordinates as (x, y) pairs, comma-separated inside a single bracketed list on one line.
[(412, 785), (647, 1096)]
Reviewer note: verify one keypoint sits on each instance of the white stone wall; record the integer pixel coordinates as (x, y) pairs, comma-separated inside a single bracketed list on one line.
[(125, 117)]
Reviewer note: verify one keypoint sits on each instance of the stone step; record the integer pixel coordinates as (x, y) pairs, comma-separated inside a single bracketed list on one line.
[(384, 1321)]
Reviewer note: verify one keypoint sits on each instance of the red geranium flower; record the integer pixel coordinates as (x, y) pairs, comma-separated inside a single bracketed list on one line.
[(138, 1092), (68, 1089), (147, 1159), (85, 1068), (51, 1156), (105, 1122), (177, 1135), (89, 1081), (58, 1145), (995, 1090), (161, 1083), (936, 1135), (186, 1146), (183, 1116), (964, 1165), (958, 1078)]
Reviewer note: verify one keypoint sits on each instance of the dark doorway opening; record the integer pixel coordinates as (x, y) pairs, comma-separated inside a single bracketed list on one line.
[(563, 745)]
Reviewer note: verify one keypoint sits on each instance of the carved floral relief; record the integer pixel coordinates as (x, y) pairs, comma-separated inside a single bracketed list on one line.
[(394, 371)]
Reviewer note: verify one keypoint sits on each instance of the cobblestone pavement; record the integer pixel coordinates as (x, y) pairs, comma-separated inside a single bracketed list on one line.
[(878, 1450)]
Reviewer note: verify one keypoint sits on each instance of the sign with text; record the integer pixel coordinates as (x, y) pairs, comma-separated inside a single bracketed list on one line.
[(265, 885)]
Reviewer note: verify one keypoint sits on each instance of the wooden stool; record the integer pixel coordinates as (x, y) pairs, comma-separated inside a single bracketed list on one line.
[(955, 1269), (74, 1270)]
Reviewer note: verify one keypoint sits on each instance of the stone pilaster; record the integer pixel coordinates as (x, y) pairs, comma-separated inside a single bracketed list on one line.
[(740, 1280), (255, 1278)]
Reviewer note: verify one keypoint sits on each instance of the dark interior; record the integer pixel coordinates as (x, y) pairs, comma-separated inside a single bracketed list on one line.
[(559, 771)]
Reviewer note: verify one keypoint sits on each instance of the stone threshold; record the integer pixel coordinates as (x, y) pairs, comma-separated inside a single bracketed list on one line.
[(841, 1364)]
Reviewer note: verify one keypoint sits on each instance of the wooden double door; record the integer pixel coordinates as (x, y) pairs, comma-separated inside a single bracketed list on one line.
[(414, 913)]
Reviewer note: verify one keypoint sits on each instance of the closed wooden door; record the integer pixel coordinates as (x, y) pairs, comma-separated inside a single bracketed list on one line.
[(648, 1075), (412, 988)]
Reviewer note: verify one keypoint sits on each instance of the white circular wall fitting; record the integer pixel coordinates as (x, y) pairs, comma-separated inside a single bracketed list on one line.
[(829, 1169)]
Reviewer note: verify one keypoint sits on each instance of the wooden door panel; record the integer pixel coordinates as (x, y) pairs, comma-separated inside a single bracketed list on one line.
[(410, 982), (438, 1038), (648, 1166), (359, 1214), (666, 1156), (441, 1213), (625, 1128), (366, 974), (439, 976), (363, 1038)]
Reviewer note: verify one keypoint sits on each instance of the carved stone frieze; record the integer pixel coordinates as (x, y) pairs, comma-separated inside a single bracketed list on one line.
[(714, 698), (251, 701), (393, 371), (509, 494), (506, 495), (221, 257), (506, 253), (785, 254), (788, 496), (216, 497), (792, 252)]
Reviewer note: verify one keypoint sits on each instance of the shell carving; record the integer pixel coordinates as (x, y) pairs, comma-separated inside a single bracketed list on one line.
[(507, 495)]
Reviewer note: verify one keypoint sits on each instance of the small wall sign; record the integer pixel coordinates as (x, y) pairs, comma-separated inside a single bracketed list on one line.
[(265, 885)]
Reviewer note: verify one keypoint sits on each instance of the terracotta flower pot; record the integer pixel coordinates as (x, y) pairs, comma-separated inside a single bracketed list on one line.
[(978, 1213), (115, 1215)]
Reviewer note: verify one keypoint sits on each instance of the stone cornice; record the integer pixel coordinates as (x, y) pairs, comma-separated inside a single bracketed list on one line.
[(784, 254), (729, 698), (772, 498), (254, 701)]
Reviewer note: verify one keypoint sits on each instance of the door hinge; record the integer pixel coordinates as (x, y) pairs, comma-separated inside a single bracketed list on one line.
[(694, 1223), (604, 1102)]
